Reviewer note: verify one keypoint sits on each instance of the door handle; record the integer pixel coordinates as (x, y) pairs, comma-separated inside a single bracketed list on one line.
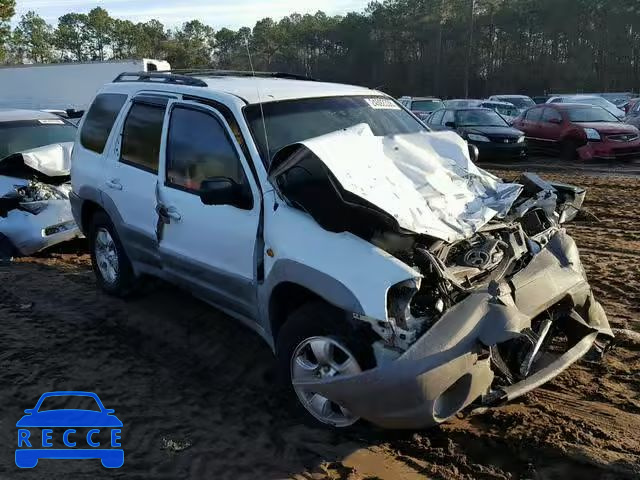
[(114, 183), (173, 214)]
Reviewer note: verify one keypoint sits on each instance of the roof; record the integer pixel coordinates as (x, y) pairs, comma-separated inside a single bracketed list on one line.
[(498, 102), (567, 105), (511, 96), (260, 90), (423, 98), (17, 115)]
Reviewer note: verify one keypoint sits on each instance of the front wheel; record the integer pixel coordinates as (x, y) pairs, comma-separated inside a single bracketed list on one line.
[(315, 343)]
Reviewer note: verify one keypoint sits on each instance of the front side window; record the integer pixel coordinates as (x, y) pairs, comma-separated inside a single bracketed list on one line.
[(293, 121), (550, 115), (141, 136), (19, 136), (436, 118), (449, 116), (100, 119), (534, 115), (199, 148)]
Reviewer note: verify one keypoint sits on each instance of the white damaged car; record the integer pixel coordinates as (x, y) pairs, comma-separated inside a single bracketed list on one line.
[(35, 155), (395, 280)]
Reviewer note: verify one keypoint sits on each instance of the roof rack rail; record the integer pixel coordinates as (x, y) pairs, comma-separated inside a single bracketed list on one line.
[(194, 72), (159, 77)]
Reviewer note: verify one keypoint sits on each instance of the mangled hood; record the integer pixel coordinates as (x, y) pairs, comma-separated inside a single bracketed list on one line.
[(425, 181), (51, 160)]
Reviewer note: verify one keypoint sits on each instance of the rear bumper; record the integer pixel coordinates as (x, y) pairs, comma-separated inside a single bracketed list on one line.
[(610, 151), (450, 366)]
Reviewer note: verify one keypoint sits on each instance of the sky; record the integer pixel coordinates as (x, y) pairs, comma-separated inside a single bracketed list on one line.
[(217, 13)]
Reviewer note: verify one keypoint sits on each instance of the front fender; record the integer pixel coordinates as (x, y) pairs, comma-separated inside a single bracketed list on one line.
[(341, 268)]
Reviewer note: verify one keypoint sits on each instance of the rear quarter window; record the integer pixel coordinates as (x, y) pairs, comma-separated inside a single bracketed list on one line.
[(100, 119)]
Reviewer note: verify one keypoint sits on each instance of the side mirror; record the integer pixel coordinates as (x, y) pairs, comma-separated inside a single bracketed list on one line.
[(450, 124), (224, 191), (29, 411)]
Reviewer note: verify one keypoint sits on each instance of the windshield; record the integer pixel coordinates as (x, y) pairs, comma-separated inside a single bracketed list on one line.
[(19, 136), (426, 105), (294, 121), (479, 118), (593, 114), (520, 102)]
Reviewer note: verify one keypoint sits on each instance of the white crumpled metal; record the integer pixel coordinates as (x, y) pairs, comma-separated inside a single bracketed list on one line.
[(52, 160), (426, 181)]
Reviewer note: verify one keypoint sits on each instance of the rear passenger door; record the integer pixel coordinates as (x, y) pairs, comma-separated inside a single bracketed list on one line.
[(211, 249), (132, 177)]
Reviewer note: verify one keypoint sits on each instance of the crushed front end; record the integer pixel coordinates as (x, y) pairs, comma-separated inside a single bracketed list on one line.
[(492, 317)]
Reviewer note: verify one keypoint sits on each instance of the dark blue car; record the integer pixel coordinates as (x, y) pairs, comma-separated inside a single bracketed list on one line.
[(68, 418)]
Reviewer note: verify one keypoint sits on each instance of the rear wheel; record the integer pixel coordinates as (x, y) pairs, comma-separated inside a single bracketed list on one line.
[(317, 342), (111, 265)]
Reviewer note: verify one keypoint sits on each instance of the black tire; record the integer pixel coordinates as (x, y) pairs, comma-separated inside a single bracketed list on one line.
[(569, 149), (317, 319), (125, 278), (7, 250)]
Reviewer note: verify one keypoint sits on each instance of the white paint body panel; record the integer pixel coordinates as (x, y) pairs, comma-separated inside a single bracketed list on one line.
[(426, 181), (365, 270)]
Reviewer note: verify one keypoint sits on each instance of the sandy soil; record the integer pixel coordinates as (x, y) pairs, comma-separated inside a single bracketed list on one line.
[(195, 390)]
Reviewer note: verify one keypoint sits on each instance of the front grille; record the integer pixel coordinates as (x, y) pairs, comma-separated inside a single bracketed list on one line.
[(623, 137), (503, 140)]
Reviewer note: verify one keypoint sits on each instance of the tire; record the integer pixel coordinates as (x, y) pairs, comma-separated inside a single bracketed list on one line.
[(7, 250), (569, 149), (312, 322), (122, 283)]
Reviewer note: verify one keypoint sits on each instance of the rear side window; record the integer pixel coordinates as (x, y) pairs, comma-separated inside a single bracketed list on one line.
[(533, 115), (550, 114), (141, 136), (100, 119), (436, 118)]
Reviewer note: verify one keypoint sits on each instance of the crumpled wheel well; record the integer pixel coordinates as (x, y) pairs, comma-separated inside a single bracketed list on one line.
[(285, 298), (89, 209)]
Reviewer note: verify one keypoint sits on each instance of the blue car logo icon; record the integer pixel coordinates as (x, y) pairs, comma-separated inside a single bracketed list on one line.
[(74, 421)]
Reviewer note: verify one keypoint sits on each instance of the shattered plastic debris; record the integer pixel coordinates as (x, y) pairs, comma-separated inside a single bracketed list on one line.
[(175, 446)]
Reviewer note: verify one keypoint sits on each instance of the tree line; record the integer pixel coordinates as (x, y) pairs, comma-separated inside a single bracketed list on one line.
[(448, 48)]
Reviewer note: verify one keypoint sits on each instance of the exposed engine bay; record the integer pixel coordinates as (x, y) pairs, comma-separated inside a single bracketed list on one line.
[(35, 212), (498, 281)]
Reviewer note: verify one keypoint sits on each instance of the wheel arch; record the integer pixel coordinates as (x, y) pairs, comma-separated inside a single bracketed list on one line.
[(290, 285)]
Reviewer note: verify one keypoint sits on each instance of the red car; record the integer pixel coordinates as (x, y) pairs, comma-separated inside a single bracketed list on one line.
[(579, 131)]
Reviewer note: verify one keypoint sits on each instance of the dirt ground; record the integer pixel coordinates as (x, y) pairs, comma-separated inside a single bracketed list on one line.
[(195, 390)]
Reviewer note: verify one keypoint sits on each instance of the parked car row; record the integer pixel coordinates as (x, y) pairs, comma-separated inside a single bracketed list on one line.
[(575, 127)]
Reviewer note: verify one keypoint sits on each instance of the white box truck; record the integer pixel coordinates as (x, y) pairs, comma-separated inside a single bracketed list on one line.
[(61, 86)]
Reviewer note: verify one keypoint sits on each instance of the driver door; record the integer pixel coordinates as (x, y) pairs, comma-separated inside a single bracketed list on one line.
[(210, 249)]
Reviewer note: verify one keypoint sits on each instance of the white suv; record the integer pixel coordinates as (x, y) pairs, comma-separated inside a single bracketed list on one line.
[(395, 280)]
